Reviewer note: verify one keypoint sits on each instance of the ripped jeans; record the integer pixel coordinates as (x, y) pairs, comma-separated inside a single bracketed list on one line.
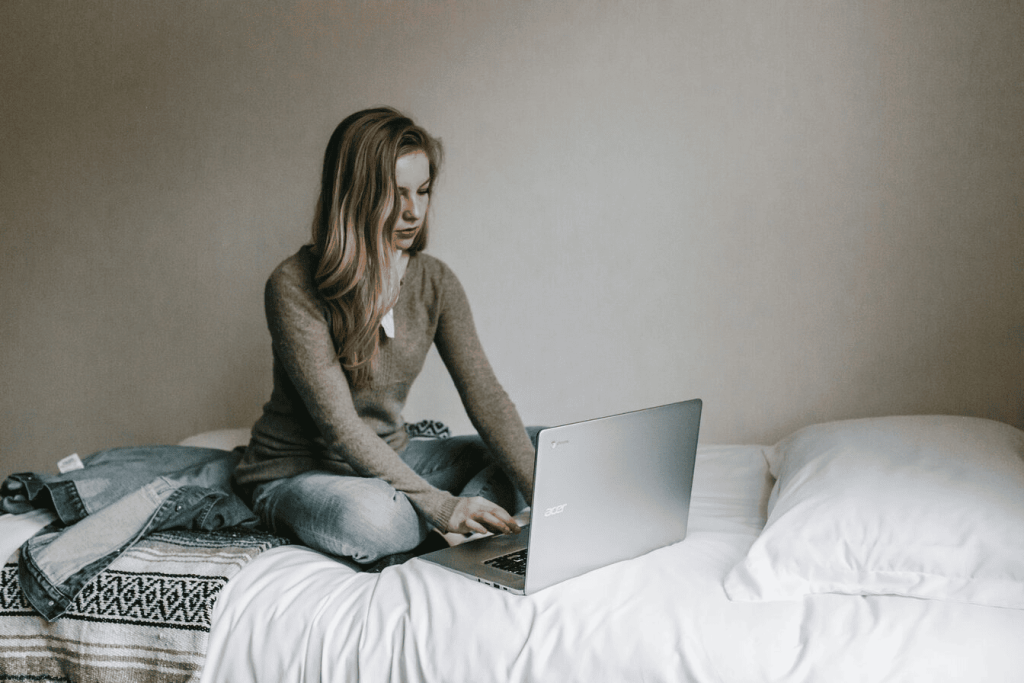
[(364, 518)]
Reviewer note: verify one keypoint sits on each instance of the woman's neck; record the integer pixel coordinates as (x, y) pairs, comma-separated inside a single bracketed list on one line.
[(398, 265)]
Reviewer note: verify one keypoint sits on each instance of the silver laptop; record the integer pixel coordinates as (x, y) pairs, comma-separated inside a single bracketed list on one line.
[(605, 490)]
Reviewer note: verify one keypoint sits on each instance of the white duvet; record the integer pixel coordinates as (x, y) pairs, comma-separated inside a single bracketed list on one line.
[(294, 615)]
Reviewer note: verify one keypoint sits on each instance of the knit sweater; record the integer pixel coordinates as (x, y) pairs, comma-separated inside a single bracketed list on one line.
[(316, 420)]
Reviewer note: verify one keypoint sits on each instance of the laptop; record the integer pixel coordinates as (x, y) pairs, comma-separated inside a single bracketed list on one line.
[(605, 490)]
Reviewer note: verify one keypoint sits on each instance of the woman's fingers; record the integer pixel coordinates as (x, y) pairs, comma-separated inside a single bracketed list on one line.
[(479, 515), (501, 521), (490, 520), (496, 519), (475, 526)]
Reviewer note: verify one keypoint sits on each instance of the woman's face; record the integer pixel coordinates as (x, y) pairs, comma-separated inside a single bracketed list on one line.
[(412, 177)]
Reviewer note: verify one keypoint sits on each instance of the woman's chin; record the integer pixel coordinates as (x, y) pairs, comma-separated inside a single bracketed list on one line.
[(404, 241)]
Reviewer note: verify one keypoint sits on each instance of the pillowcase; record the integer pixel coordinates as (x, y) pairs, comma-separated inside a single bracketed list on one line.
[(919, 506), (224, 439)]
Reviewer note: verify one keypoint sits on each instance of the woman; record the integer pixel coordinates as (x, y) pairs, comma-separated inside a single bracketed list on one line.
[(351, 318)]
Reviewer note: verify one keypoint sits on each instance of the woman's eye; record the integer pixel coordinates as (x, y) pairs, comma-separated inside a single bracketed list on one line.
[(423, 192)]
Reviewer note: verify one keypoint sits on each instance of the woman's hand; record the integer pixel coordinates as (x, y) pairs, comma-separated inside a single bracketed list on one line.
[(478, 516)]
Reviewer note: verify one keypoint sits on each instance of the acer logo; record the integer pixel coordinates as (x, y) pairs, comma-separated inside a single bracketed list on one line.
[(555, 510)]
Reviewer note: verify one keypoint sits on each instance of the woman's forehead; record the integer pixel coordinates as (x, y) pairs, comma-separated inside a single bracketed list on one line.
[(412, 169)]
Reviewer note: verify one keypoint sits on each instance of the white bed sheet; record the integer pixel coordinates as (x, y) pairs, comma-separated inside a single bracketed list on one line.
[(295, 615)]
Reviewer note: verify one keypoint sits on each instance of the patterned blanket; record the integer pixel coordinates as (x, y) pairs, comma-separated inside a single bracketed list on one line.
[(146, 618)]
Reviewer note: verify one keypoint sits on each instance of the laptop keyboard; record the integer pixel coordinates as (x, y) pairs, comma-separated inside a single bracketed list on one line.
[(513, 562)]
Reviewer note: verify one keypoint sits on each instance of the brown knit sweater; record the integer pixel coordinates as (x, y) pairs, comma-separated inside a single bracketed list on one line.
[(315, 420)]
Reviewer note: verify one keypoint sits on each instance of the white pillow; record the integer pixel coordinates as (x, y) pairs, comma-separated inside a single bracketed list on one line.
[(224, 439), (923, 506)]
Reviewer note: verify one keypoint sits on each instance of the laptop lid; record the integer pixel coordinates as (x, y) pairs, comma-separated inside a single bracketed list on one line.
[(610, 489)]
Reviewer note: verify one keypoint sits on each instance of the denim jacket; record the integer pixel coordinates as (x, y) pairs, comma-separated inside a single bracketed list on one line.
[(121, 495)]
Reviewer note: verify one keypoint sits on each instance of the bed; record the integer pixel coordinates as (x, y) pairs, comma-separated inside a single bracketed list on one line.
[(887, 549)]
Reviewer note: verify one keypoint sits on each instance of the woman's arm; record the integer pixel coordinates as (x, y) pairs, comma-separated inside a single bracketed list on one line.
[(302, 341), (489, 408)]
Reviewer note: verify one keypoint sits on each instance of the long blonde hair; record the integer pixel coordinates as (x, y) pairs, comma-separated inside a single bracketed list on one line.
[(352, 229)]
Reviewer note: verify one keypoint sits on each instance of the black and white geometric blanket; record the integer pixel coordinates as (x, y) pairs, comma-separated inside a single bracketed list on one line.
[(145, 618), (428, 429)]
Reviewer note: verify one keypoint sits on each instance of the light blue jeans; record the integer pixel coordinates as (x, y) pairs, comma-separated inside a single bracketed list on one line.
[(364, 518)]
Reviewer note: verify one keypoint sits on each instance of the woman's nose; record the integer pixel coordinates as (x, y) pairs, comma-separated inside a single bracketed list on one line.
[(412, 209)]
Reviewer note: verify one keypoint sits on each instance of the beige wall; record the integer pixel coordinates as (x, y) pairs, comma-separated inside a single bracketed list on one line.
[(797, 211)]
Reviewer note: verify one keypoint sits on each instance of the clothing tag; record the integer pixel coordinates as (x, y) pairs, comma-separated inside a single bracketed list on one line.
[(70, 464), (388, 323)]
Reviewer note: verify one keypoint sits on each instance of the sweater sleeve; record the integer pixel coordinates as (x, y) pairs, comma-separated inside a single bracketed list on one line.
[(302, 341), (491, 411)]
